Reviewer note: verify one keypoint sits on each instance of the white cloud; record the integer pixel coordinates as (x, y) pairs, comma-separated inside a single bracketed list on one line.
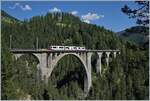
[(24, 8), (14, 6), (91, 16), (87, 21), (55, 10), (74, 12)]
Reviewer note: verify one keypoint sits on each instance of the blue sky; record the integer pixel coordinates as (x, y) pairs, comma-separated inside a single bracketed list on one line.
[(102, 13)]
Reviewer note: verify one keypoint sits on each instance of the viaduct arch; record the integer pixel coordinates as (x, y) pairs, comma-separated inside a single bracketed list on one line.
[(87, 76)]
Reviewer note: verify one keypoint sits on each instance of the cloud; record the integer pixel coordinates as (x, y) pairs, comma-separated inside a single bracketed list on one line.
[(14, 6), (74, 12), (24, 8), (87, 21), (91, 16), (55, 10)]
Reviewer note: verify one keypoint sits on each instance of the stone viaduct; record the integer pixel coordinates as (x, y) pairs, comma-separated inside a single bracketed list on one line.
[(48, 59)]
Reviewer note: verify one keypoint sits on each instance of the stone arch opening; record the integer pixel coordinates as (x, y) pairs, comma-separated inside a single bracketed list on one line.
[(106, 59), (28, 60), (27, 73), (79, 71), (98, 62), (104, 56), (94, 60), (28, 56), (111, 56)]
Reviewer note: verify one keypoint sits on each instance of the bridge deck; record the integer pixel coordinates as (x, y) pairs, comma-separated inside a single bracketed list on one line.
[(52, 51)]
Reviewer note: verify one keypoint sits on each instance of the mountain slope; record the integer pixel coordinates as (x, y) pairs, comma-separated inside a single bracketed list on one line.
[(69, 30), (8, 18), (137, 35)]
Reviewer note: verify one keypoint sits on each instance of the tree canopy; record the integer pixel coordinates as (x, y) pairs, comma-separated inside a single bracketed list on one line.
[(141, 14), (20, 78)]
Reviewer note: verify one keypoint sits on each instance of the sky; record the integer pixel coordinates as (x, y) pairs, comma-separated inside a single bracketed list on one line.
[(101, 13)]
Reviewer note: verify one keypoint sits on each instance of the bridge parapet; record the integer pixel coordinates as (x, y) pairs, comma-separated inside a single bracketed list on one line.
[(54, 51)]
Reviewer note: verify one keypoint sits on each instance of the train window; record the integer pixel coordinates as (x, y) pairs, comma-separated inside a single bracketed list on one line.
[(67, 47), (60, 47), (53, 47)]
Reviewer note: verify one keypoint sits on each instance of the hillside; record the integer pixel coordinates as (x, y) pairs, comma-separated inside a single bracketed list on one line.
[(70, 30), (118, 81), (137, 35), (6, 17)]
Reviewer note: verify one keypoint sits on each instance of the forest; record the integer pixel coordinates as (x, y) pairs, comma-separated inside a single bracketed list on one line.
[(127, 77)]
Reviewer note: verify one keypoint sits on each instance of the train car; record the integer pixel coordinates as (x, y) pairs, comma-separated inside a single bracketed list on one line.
[(66, 48), (56, 48)]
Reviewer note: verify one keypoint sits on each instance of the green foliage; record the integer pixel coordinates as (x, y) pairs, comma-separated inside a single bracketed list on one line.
[(126, 78), (137, 35), (140, 13)]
